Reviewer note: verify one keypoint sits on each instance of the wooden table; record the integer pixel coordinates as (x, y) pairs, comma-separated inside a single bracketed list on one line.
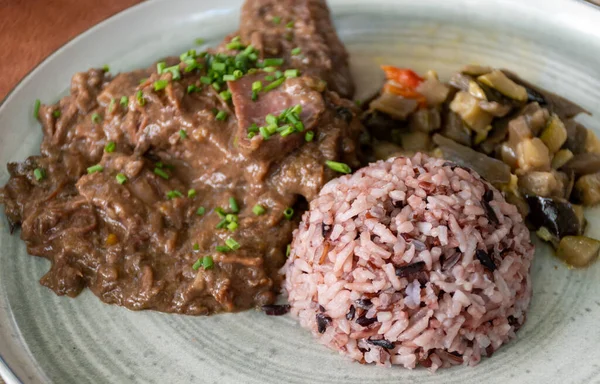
[(30, 30)]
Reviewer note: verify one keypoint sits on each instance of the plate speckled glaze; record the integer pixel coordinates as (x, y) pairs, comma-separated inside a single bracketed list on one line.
[(46, 338)]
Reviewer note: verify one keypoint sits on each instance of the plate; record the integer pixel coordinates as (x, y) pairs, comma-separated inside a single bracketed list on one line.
[(46, 338)]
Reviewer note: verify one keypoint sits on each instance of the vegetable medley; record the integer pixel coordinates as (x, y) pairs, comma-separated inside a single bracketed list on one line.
[(522, 139)]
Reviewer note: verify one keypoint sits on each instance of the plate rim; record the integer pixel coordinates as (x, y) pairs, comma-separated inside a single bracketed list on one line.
[(6, 372)]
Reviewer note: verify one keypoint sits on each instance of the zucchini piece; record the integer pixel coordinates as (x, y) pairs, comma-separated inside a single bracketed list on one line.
[(561, 158), (578, 251), (555, 134), (498, 80)]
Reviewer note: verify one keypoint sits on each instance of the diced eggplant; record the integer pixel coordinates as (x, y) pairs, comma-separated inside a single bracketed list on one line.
[(416, 141), (592, 144), (587, 189), (561, 158), (494, 108), (578, 251), (425, 120), (383, 150), (583, 164), (475, 70), (532, 154), (467, 107), (544, 184), (396, 106), (576, 136), (499, 81), (494, 171), (536, 117), (556, 214), (460, 81), (456, 129), (557, 104), (380, 125), (518, 130), (435, 91), (555, 134)]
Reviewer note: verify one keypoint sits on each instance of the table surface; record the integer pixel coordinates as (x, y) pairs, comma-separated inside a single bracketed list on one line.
[(30, 30)]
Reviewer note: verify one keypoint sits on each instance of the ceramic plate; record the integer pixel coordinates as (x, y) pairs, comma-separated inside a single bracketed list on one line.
[(46, 338)]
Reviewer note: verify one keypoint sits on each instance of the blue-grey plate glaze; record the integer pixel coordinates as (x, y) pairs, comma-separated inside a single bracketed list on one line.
[(46, 338)]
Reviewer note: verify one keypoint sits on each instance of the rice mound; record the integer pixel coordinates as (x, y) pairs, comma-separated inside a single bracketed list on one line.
[(411, 261)]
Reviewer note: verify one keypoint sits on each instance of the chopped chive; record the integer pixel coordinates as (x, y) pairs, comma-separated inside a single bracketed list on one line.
[(269, 69), (297, 109), (121, 178), (288, 213), (296, 51), (192, 88), (95, 168), (278, 74), (216, 86), (221, 212), (270, 119), (161, 173), (124, 101), (175, 72), (225, 95), (205, 80), (36, 108), (257, 86), (232, 226), (231, 218), (253, 128), (251, 135), (222, 224), (110, 147), (288, 250), (183, 134), (358, 103), (288, 131), (238, 74), (106, 68), (39, 174), (264, 133), (197, 264), (174, 194), (190, 54), (190, 65), (222, 248), (159, 164), (222, 116), (160, 67), (229, 78), (140, 98), (219, 67), (276, 20), (271, 129), (269, 78), (338, 167), (272, 62), (254, 96), (200, 211), (57, 113), (290, 25), (160, 84), (291, 73), (310, 135), (234, 45), (274, 84), (96, 118), (111, 105), (258, 210), (231, 243), (207, 262), (199, 41), (196, 247), (191, 193), (235, 208)]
